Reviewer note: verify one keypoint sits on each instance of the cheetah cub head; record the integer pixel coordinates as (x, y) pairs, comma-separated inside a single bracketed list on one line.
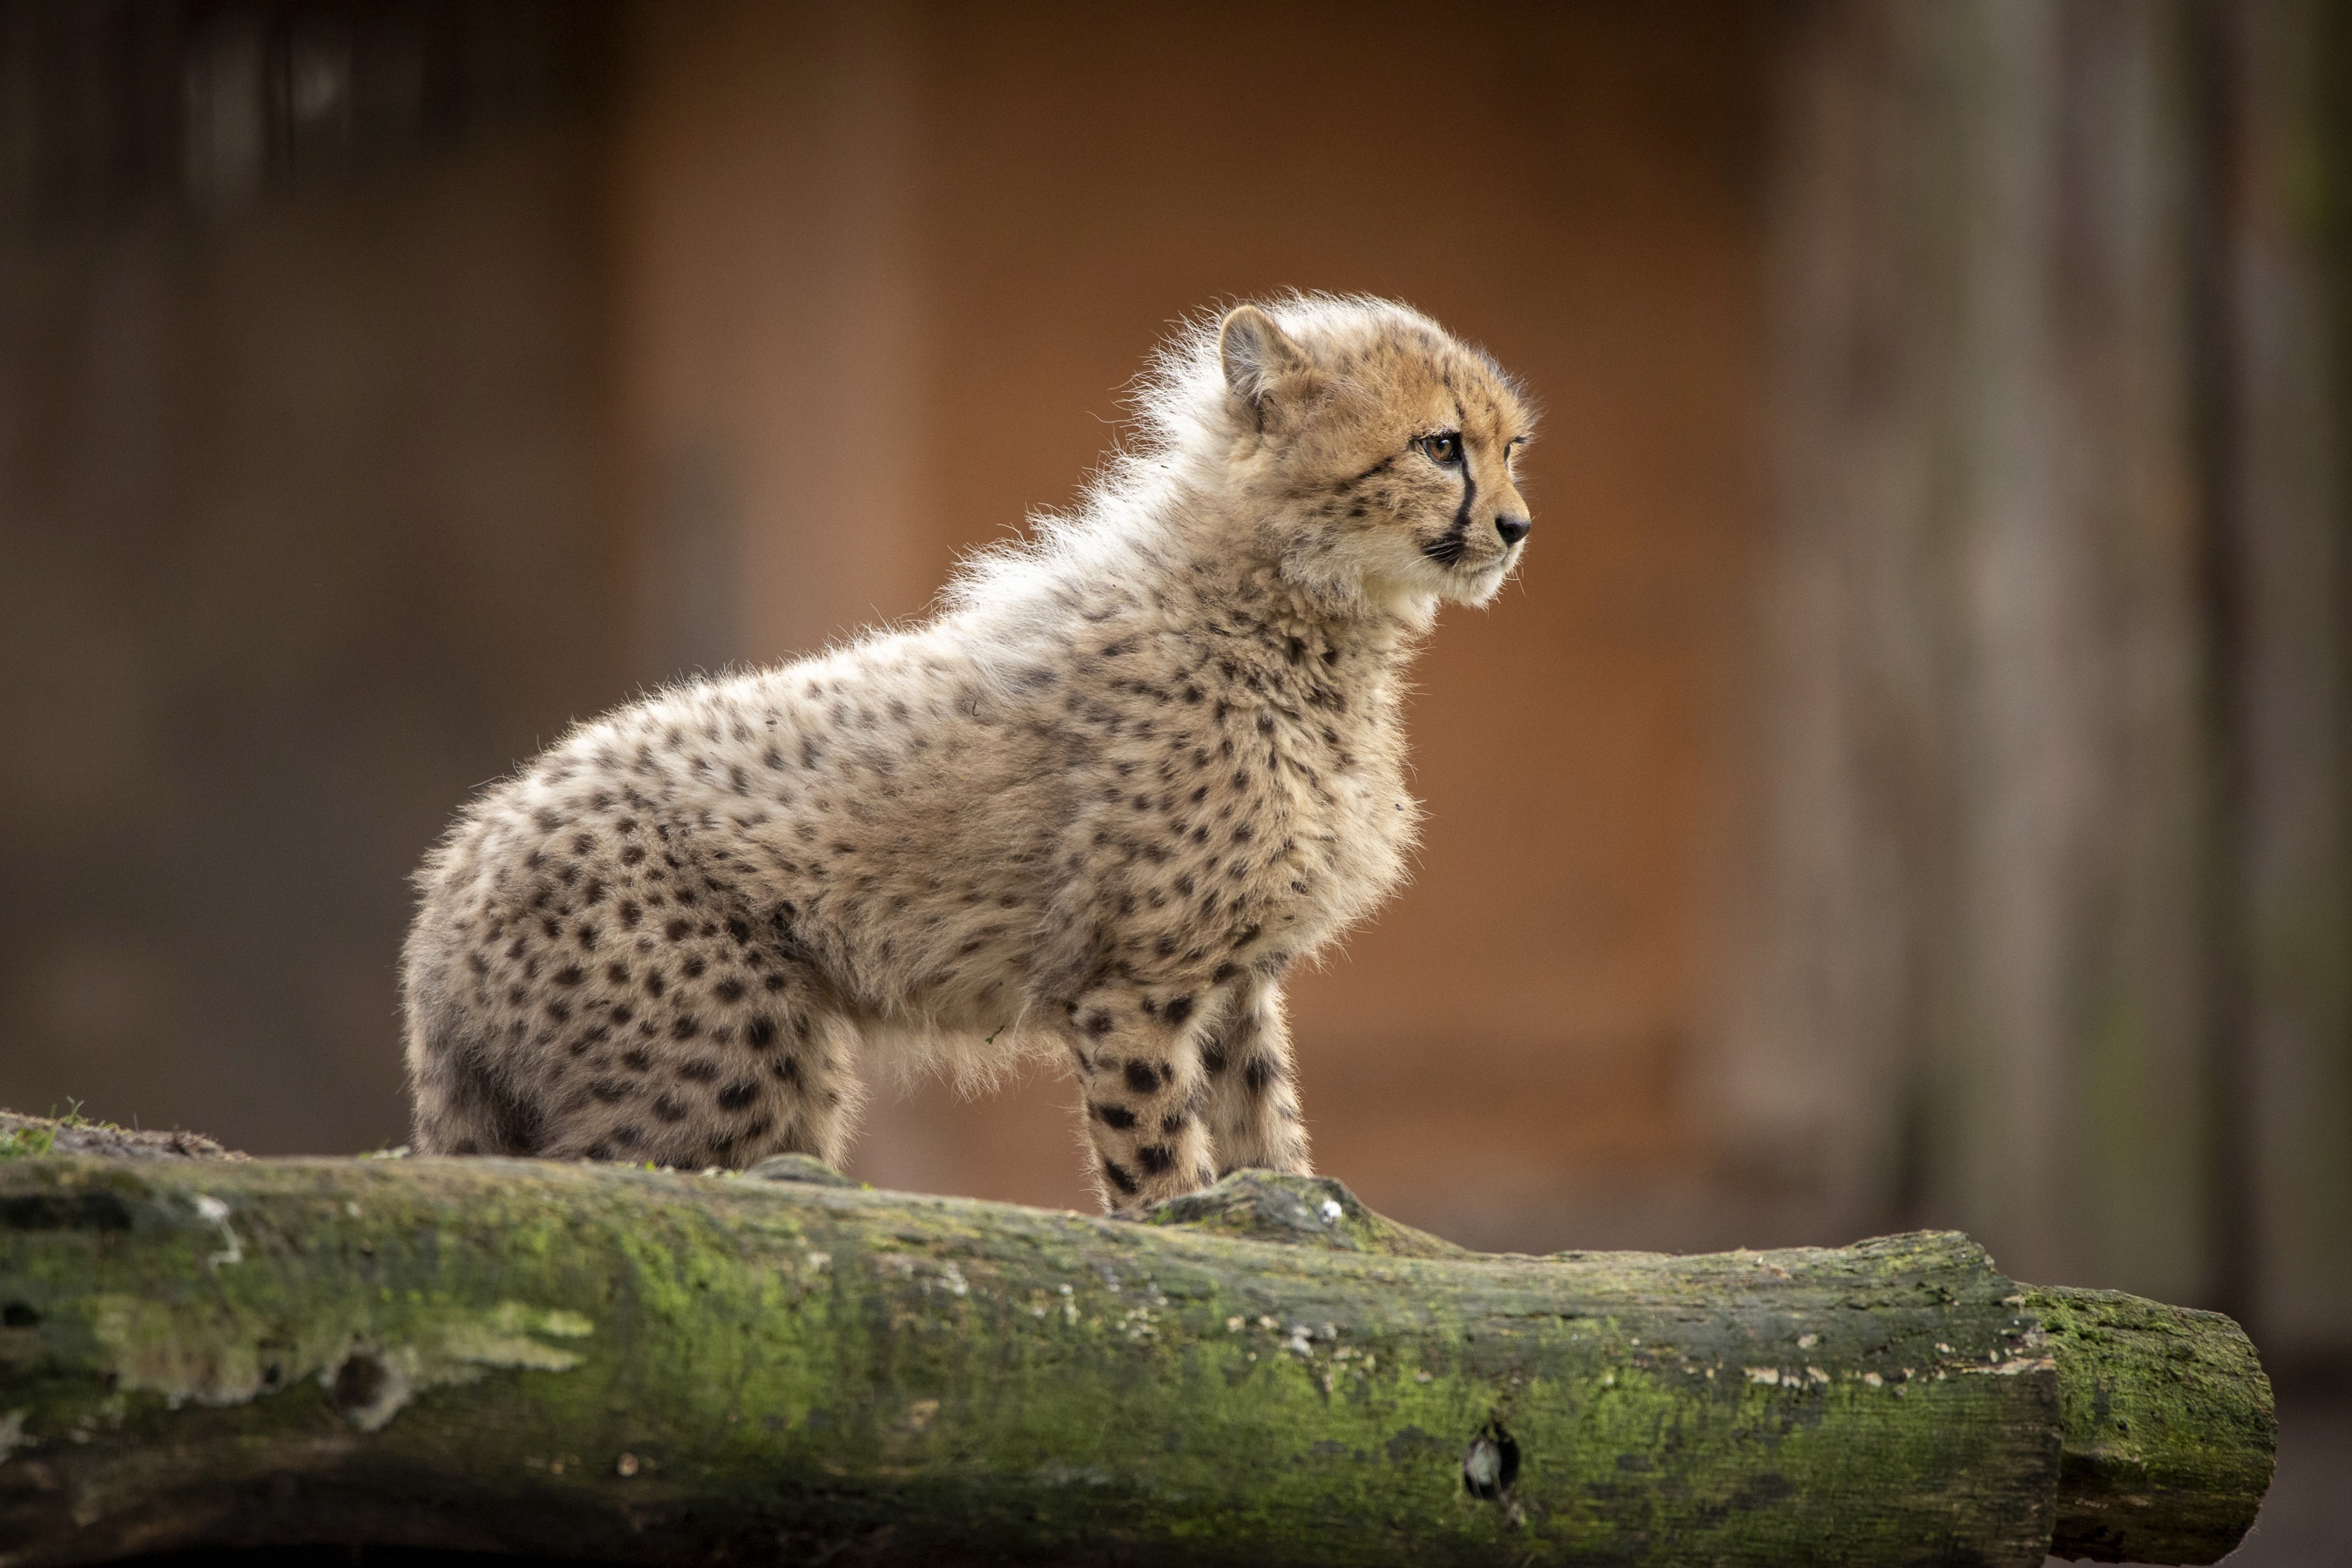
[(1381, 452)]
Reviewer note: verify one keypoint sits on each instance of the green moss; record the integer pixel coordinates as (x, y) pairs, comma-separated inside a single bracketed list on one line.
[(21, 1142), (2167, 1427)]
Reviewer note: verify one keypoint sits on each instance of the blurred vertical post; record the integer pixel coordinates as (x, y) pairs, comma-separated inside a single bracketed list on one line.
[(2026, 752), (301, 528), (2280, 586), (770, 326)]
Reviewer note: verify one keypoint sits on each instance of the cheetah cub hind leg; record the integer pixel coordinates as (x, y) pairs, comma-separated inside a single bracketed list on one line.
[(783, 1082), (657, 1075)]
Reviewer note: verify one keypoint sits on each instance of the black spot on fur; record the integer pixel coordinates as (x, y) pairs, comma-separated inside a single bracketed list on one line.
[(1156, 1159), (759, 1034), (1142, 1077), (1178, 1009), (1116, 1116), (738, 1095), (1117, 1175)]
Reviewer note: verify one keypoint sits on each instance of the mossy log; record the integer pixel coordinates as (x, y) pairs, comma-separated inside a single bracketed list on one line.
[(654, 1367)]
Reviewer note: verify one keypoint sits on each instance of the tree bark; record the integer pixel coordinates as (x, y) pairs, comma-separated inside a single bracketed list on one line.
[(657, 1367)]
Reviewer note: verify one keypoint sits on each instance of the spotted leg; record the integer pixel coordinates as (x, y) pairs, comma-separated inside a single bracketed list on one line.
[(709, 1045), (1253, 1099), (1139, 1070)]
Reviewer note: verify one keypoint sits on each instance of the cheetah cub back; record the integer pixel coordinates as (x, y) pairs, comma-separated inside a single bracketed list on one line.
[(1134, 770)]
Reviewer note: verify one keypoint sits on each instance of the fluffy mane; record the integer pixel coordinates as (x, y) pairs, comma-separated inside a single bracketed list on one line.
[(1181, 428)]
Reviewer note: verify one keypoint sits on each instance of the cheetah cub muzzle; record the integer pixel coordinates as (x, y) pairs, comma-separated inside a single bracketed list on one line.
[(1136, 768)]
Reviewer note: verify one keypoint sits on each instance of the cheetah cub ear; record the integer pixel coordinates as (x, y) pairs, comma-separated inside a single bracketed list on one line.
[(1260, 359)]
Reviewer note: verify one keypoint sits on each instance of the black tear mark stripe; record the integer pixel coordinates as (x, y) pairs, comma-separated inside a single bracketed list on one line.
[(1447, 548)]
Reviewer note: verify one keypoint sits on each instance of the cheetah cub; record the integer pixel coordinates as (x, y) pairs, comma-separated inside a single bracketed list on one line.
[(1135, 769)]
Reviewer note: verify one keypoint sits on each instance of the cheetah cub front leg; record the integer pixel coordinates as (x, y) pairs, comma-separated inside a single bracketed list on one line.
[(1138, 1050), (1253, 1101), (1178, 1093)]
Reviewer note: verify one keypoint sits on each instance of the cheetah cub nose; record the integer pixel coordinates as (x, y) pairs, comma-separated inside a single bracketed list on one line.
[(1512, 529)]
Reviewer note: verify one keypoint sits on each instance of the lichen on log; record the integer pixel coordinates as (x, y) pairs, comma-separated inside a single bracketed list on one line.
[(2168, 1428), (657, 1367)]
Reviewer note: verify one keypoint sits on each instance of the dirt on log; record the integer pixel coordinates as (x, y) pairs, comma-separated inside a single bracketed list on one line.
[(655, 1367)]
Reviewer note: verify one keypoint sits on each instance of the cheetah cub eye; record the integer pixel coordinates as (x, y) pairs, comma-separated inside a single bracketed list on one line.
[(1443, 448)]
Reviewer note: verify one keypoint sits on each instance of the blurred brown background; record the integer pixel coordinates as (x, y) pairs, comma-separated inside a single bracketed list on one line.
[(1909, 785)]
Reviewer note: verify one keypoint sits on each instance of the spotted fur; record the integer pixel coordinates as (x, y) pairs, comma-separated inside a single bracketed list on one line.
[(1135, 769)]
